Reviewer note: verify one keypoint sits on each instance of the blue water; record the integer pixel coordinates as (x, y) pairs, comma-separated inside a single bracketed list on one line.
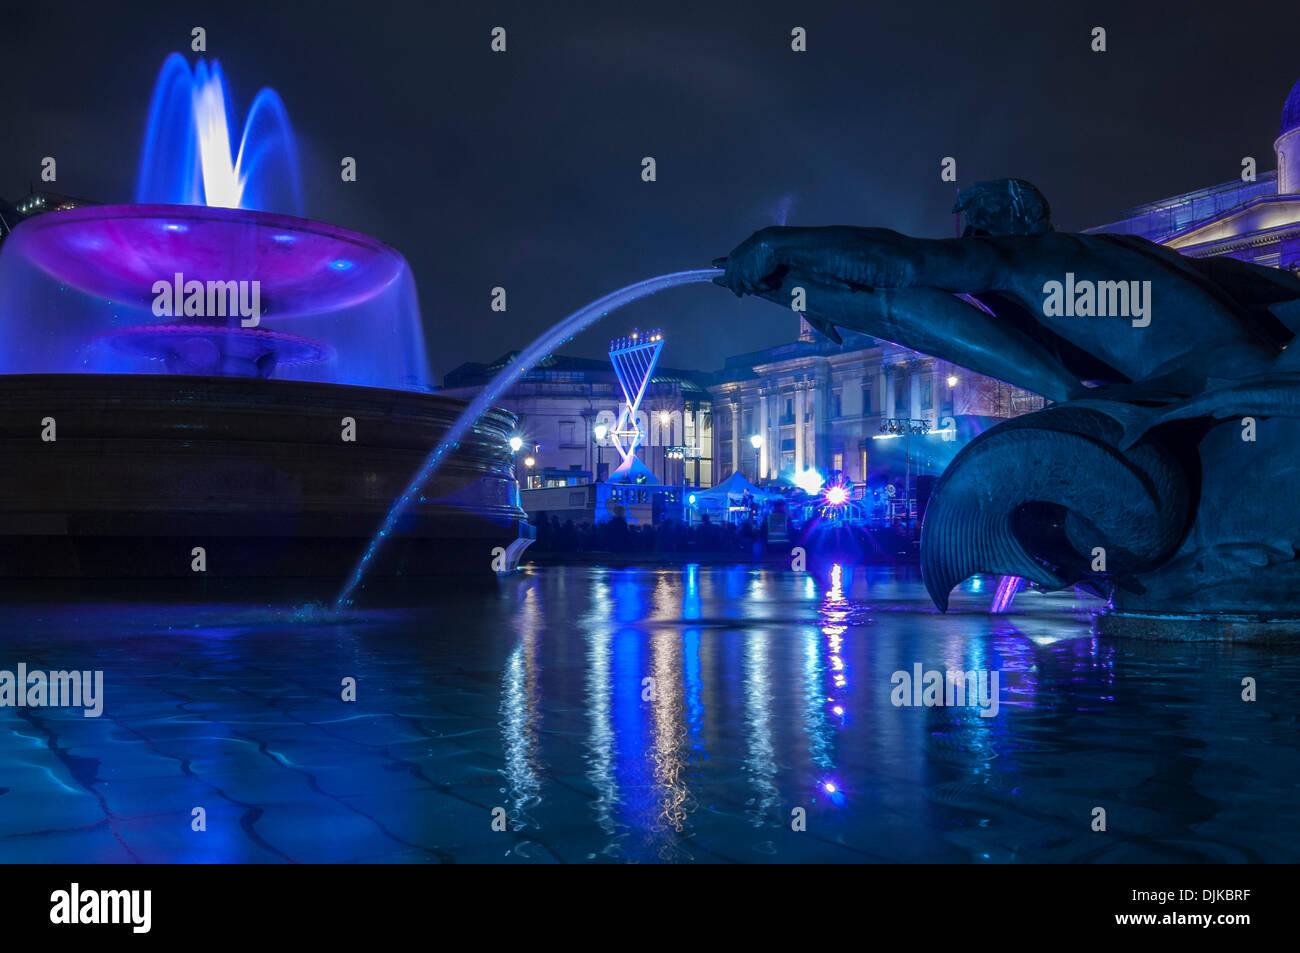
[(195, 152), (550, 341), (528, 696)]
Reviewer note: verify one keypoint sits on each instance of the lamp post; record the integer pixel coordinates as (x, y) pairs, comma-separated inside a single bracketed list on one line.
[(530, 462), (906, 426), (756, 441), (516, 442), (599, 432)]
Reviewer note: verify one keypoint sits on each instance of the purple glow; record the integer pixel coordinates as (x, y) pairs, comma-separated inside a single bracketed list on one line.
[(217, 288), (1005, 593), (78, 290)]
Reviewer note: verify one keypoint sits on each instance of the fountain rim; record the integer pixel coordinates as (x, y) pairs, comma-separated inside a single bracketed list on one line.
[(214, 213)]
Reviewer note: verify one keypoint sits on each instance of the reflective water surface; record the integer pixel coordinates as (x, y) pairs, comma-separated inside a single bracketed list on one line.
[(695, 713)]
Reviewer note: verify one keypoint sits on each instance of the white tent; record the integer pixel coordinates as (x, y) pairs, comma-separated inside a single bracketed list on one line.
[(736, 486), (728, 493)]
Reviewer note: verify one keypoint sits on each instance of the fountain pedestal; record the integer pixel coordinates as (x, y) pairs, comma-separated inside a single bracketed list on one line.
[(145, 468)]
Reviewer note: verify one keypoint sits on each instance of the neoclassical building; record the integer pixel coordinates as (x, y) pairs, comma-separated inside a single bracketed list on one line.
[(563, 399), (818, 405), (815, 404), (1256, 221)]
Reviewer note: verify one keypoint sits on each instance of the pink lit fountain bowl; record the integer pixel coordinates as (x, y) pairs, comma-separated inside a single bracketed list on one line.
[(173, 289)]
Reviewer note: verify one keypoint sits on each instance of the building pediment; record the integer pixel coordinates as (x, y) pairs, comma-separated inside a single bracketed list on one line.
[(1264, 218)]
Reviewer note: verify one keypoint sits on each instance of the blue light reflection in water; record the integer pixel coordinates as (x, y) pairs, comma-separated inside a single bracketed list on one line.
[(534, 697)]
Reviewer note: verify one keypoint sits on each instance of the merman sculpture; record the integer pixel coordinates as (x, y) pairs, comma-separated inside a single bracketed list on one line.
[(1164, 471)]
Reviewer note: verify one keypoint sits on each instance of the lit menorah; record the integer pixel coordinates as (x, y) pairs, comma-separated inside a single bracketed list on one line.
[(634, 358)]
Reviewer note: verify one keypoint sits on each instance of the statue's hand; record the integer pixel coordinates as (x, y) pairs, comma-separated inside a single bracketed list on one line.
[(754, 266)]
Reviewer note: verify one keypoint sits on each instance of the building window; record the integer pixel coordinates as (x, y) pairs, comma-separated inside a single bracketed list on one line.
[(902, 406), (837, 403), (863, 454), (837, 460), (927, 393), (866, 399)]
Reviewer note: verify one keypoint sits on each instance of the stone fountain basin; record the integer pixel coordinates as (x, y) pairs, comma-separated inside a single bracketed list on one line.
[(146, 467)]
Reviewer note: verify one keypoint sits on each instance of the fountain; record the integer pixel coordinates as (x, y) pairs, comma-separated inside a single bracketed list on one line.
[(482, 404), (206, 369)]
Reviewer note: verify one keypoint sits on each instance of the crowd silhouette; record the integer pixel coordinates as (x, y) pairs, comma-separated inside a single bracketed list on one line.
[(616, 535)]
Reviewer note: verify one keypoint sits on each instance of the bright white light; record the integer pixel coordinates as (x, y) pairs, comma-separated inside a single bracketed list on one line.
[(837, 496), (664, 417), (756, 440), (529, 461), (810, 481), (515, 444), (600, 430), (223, 186), (952, 380)]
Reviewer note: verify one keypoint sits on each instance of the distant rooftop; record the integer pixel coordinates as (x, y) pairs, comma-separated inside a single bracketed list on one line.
[(741, 366), (563, 367), (1166, 217)]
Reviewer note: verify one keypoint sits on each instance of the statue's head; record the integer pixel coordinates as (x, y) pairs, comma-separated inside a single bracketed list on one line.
[(1004, 207)]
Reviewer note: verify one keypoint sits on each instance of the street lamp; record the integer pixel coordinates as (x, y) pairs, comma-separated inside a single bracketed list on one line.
[(515, 443), (530, 462), (599, 432), (756, 441), (952, 380), (906, 426)]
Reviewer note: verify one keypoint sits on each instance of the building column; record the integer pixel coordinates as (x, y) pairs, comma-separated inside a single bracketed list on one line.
[(818, 413), (764, 450), (914, 394), (820, 455), (799, 403), (734, 408), (887, 405), (589, 443)]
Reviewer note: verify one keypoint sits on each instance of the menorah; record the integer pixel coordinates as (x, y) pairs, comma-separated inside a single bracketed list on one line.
[(634, 358)]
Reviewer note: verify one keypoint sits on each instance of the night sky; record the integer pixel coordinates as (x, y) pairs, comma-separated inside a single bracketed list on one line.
[(523, 169)]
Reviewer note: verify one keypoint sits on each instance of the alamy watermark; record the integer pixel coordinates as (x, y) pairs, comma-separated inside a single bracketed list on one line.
[(130, 907), (1098, 299), (214, 299), (952, 688), (41, 689)]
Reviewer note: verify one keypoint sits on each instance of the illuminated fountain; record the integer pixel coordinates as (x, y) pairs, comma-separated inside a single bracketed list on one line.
[(167, 285), (219, 372)]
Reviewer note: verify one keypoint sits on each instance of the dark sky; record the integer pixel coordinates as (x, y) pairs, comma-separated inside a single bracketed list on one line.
[(523, 169)]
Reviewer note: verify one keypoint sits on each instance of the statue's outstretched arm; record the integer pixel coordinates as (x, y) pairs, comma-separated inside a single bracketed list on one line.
[(863, 258)]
